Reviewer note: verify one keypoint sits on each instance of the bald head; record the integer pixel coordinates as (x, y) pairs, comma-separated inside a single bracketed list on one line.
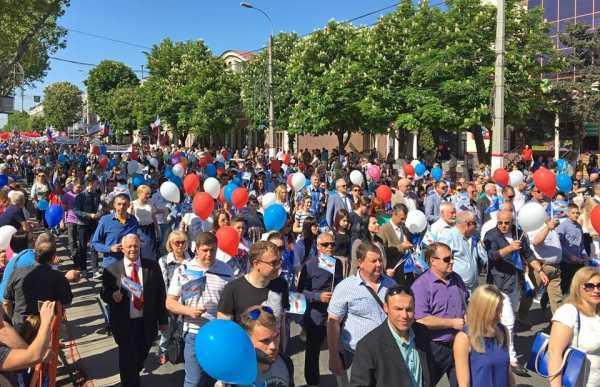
[(340, 185), (490, 189), (403, 184)]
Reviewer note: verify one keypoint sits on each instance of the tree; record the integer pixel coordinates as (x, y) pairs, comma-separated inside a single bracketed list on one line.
[(62, 104), (19, 121), (38, 123), (254, 84), (104, 78), (122, 107), (328, 83), (30, 34)]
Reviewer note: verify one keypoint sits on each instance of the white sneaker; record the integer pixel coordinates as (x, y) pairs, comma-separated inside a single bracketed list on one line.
[(97, 275)]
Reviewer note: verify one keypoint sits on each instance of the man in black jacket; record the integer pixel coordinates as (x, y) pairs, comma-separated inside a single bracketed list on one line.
[(86, 208), (397, 353), (135, 293)]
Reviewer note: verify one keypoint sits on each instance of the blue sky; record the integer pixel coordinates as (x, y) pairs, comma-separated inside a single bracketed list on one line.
[(223, 25)]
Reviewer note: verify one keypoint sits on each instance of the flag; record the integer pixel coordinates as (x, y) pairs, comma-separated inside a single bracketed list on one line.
[(327, 263), (297, 303), (494, 206), (93, 129), (49, 134), (528, 287), (106, 129)]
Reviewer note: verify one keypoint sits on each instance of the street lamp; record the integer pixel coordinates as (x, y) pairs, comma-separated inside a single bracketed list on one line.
[(271, 131)]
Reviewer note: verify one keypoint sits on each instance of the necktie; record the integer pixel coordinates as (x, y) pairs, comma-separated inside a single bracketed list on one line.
[(138, 303)]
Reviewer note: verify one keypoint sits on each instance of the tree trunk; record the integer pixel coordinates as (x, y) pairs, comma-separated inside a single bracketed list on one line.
[(482, 154), (341, 141)]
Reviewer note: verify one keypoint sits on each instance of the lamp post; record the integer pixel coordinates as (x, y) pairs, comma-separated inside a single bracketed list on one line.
[(498, 133), (271, 131)]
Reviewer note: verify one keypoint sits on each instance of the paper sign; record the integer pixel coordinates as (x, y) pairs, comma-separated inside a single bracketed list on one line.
[(132, 287), (193, 288), (194, 274), (297, 303), (327, 263)]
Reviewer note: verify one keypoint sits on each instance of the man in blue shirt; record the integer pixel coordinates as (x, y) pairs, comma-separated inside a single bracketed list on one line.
[(574, 255), (112, 228)]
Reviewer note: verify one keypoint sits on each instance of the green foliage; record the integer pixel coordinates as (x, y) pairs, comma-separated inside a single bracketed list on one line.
[(122, 105), (38, 123), (19, 120), (329, 83), (104, 78), (254, 84), (62, 104), (30, 33)]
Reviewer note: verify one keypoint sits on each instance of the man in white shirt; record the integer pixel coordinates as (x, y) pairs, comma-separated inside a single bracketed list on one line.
[(194, 293), (446, 221), (402, 195)]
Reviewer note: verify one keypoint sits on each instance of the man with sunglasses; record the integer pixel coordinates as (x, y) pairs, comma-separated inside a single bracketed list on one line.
[(440, 305), (396, 353), (338, 201), (465, 253), (194, 293), (404, 195), (355, 309), (275, 368), (434, 200)]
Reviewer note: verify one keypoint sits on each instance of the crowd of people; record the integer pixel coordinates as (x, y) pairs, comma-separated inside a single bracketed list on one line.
[(410, 270)]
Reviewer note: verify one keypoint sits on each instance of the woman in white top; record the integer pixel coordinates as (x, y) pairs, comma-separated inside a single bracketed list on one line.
[(577, 323), (148, 229), (39, 192)]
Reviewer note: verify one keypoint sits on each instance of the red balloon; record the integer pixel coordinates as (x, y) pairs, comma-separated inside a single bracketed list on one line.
[(95, 149), (289, 180), (595, 218), (203, 205), (134, 155), (501, 177), (220, 171), (239, 197), (384, 193), (191, 183), (409, 170), (228, 240), (545, 181), (103, 162), (275, 166), (287, 159)]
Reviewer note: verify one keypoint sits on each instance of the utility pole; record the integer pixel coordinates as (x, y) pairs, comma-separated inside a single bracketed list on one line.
[(142, 72), (498, 129), (271, 135)]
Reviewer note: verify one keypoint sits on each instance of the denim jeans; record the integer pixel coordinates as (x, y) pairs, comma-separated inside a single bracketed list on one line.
[(194, 375)]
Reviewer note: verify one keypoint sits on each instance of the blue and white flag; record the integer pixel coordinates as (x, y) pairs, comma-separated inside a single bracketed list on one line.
[(494, 206), (297, 303), (327, 263), (132, 287), (528, 287)]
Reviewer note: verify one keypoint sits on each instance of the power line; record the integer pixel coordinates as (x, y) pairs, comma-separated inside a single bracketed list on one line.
[(109, 39), (84, 63)]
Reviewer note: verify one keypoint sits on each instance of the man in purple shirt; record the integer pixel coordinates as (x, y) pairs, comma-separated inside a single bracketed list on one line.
[(440, 305), (68, 202)]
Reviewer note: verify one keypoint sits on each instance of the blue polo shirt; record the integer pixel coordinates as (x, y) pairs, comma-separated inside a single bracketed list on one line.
[(109, 232)]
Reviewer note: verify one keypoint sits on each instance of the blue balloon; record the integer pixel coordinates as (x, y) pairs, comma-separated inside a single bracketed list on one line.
[(275, 217), (54, 215), (210, 170), (420, 169), (62, 158), (564, 183), (43, 205), (3, 180), (561, 165), (228, 191), (226, 353), (102, 149), (177, 180), (137, 180), (237, 180), (436, 173), (111, 164), (169, 173)]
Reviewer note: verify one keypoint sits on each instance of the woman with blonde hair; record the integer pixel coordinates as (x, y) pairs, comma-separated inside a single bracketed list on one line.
[(481, 350), (577, 323), (177, 246), (148, 229), (281, 197)]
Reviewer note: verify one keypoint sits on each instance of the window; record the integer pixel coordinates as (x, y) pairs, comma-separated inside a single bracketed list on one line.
[(597, 20), (562, 25), (588, 20), (551, 9), (566, 9), (552, 28), (584, 7)]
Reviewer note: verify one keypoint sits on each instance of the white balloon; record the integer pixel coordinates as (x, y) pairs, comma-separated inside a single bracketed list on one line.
[(170, 192), (416, 221), (132, 167), (356, 177), (298, 181), (515, 177), (414, 163), (212, 187), (178, 170), (154, 162), (6, 234), (531, 216), (268, 199)]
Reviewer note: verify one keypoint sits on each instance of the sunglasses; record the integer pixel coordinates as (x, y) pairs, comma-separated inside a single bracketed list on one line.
[(398, 290), (447, 259), (588, 287), (274, 264), (180, 243), (327, 244), (254, 314), (503, 222)]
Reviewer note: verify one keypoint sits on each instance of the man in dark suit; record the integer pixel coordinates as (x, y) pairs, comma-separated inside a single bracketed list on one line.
[(134, 290), (486, 203), (397, 353)]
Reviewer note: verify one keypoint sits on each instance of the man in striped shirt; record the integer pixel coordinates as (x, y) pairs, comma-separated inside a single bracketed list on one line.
[(194, 293)]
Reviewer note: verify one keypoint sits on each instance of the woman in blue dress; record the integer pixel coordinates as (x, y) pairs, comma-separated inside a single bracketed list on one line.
[(481, 350)]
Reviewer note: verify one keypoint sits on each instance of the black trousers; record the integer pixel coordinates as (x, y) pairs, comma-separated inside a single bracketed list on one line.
[(443, 363), (315, 335), (567, 271), (73, 239), (133, 350), (84, 234)]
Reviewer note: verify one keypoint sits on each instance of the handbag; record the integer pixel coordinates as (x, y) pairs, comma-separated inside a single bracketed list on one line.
[(572, 364)]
